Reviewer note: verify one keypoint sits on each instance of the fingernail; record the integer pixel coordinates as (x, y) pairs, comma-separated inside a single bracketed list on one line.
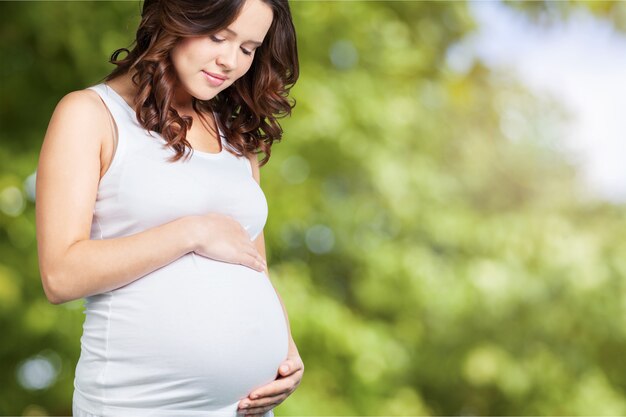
[(284, 368), (244, 405), (254, 396)]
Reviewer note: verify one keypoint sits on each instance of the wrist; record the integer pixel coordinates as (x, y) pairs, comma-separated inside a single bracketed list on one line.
[(292, 345), (188, 228)]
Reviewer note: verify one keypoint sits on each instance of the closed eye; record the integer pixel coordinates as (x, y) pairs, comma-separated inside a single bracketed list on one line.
[(218, 40)]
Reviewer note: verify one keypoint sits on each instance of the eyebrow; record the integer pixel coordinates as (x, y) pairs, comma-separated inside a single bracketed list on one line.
[(232, 32)]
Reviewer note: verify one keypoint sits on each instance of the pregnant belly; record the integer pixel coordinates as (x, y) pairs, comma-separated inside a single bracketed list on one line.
[(196, 334)]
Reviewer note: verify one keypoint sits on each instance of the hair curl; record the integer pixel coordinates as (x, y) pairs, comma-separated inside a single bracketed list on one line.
[(247, 110)]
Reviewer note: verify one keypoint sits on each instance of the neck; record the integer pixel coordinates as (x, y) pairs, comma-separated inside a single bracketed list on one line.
[(182, 100)]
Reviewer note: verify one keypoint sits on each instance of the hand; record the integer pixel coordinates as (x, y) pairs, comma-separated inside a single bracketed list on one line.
[(274, 393), (223, 238)]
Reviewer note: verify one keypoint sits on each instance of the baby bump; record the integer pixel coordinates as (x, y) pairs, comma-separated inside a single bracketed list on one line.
[(196, 333)]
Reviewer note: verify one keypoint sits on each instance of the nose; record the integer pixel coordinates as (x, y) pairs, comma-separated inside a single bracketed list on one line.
[(227, 59)]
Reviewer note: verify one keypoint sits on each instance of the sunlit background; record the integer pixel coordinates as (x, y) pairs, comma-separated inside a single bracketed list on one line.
[(446, 208), (581, 62)]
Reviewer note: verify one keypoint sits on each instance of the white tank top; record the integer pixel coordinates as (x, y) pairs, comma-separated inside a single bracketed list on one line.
[(193, 337)]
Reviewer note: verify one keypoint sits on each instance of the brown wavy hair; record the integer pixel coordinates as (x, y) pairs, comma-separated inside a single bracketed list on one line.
[(247, 110)]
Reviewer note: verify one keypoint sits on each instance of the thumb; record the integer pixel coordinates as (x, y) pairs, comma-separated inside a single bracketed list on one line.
[(285, 367)]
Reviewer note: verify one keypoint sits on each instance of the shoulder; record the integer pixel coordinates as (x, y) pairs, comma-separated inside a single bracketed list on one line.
[(83, 109), (78, 124), (82, 102), (80, 99)]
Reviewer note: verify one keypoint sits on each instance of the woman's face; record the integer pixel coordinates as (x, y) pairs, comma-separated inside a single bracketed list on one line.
[(227, 54)]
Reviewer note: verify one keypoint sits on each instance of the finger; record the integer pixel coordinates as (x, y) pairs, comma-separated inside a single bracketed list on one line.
[(250, 261), (272, 401), (258, 257), (258, 263), (251, 250), (276, 387), (293, 365), (259, 412), (288, 367)]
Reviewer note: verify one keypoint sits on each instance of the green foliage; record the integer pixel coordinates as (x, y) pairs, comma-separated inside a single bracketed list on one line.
[(432, 245)]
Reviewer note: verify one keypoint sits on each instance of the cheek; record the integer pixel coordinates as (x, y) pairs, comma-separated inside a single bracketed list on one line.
[(245, 68), (180, 60), (188, 55)]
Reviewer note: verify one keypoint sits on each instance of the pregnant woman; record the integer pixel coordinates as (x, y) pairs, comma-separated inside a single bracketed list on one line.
[(149, 206)]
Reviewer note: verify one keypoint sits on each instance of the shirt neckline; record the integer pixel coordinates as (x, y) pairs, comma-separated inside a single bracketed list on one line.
[(202, 154)]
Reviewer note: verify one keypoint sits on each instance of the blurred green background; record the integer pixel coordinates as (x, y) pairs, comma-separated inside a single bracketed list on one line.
[(429, 265)]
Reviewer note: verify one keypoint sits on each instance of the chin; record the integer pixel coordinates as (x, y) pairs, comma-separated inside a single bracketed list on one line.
[(205, 95), (201, 91)]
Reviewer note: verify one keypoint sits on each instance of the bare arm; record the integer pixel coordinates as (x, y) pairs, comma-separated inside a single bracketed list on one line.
[(260, 245), (91, 267), (259, 242), (71, 265), (290, 371)]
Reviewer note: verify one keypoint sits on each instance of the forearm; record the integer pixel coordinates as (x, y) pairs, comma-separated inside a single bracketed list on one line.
[(292, 344), (91, 267), (259, 242)]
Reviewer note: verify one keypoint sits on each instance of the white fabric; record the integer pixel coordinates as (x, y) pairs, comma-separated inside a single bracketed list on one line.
[(193, 337)]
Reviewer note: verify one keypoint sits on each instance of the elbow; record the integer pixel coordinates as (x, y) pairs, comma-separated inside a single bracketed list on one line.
[(51, 289), (52, 298)]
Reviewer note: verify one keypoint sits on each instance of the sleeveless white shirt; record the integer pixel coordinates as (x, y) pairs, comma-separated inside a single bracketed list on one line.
[(196, 336)]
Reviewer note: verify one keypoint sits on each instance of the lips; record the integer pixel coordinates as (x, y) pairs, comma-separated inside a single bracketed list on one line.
[(214, 75), (213, 80)]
